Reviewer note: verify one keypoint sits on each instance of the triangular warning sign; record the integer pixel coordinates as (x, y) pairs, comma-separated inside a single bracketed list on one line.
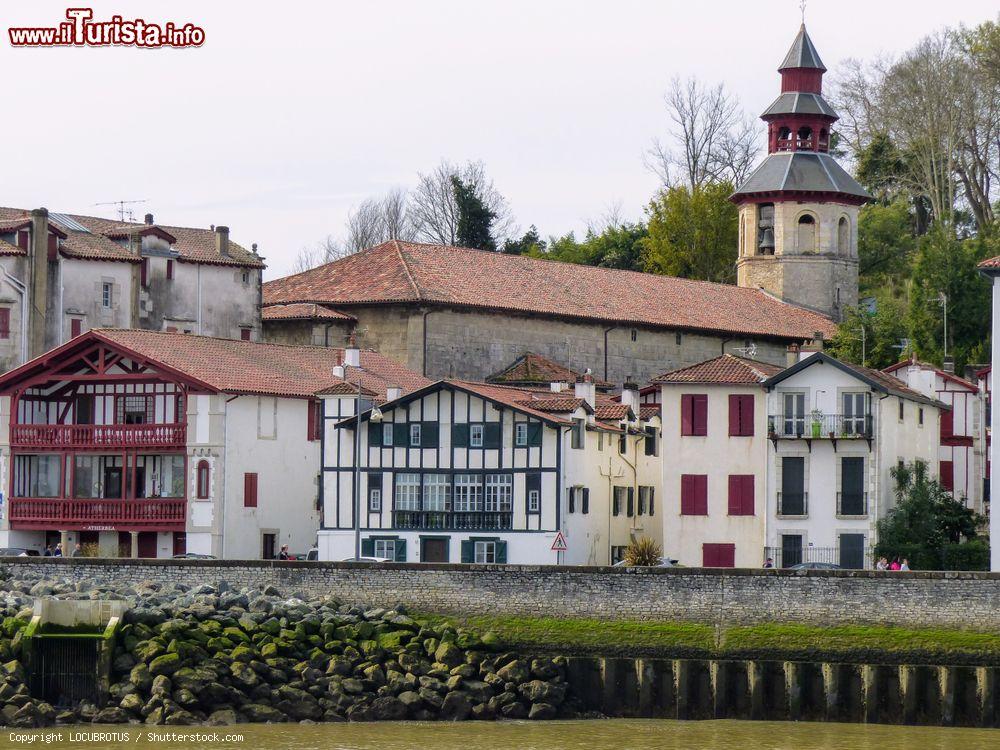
[(559, 543)]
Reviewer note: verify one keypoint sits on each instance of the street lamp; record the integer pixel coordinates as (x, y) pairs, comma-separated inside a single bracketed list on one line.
[(943, 301), (374, 418)]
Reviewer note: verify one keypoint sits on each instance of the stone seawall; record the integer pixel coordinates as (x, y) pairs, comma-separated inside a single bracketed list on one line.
[(721, 597)]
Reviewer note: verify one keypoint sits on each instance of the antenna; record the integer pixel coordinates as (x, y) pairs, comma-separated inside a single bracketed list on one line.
[(122, 211), (750, 352), (802, 8)]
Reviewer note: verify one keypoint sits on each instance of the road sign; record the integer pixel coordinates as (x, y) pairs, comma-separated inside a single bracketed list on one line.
[(559, 543)]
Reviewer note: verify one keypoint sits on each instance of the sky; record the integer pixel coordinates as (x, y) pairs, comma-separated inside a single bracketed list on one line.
[(293, 112)]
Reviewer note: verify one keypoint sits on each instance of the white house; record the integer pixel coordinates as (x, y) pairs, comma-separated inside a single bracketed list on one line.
[(153, 444), (962, 446), (836, 431), (715, 452), (482, 473), (991, 269)]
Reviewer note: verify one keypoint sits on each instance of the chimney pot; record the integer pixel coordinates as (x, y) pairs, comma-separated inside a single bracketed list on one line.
[(393, 392), (222, 240), (352, 356), (585, 389), (149, 219)]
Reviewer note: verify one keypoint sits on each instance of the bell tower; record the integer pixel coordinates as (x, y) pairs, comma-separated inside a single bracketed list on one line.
[(798, 210)]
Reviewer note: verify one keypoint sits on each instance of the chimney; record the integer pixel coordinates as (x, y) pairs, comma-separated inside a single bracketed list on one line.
[(338, 371), (222, 241), (37, 319), (791, 355), (352, 355), (558, 386), (585, 388), (393, 392), (149, 219), (949, 365), (817, 341), (630, 394)]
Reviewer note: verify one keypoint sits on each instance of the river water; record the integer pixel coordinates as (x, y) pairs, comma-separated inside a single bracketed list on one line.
[(619, 734)]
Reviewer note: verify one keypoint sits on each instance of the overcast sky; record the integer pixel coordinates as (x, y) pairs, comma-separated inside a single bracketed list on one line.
[(293, 112)]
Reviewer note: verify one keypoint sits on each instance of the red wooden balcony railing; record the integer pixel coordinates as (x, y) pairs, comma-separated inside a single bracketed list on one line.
[(151, 514), (98, 436)]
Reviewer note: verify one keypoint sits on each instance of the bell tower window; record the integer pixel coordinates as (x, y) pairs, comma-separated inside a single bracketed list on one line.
[(784, 138), (804, 141), (807, 234), (765, 229), (843, 236)]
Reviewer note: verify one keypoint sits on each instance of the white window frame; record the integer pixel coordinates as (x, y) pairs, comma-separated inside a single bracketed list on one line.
[(468, 493), (477, 435), (387, 435), (407, 492), (485, 553), (499, 493), (437, 493), (385, 548), (534, 501), (856, 424), (794, 423), (521, 434), (415, 435), (107, 294), (375, 499)]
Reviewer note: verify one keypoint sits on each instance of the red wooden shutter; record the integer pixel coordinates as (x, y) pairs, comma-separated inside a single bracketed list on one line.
[(4, 322), (947, 472), (701, 494), (700, 421), (687, 494), (718, 555), (250, 490), (75, 327), (746, 495), (687, 415), (708, 555), (53, 247), (245, 334), (202, 480), (734, 415), (746, 416), (22, 239), (947, 423), (735, 494)]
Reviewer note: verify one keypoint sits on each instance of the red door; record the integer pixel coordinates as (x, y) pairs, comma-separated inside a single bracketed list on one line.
[(180, 543), (147, 544), (718, 555)]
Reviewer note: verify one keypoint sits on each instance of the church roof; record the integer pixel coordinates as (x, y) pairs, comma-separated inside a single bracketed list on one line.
[(801, 172), (802, 53), (799, 103)]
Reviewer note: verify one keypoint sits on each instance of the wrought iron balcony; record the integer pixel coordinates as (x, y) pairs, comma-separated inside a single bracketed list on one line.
[(477, 521), (98, 436), (819, 426), (852, 503), (150, 514), (793, 503)]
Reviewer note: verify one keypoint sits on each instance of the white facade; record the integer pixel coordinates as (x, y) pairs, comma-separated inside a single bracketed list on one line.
[(994, 416)]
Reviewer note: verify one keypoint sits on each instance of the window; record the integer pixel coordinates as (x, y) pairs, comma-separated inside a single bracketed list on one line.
[(741, 495), (765, 226), (170, 269), (649, 502), (521, 434), (135, 409), (920, 416), (534, 501), (635, 335), (855, 413), (946, 470), (585, 500), (437, 493), (486, 553), (246, 277), (144, 273), (718, 555), (468, 493), (852, 486), (385, 548), (75, 327), (807, 234), (499, 493), (678, 338), (694, 494), (203, 477), (4, 322), (250, 490), (791, 550), (948, 423), (476, 436), (533, 488), (902, 410), (407, 492), (618, 554), (387, 435), (107, 294), (314, 420), (623, 439), (792, 498), (600, 440), (245, 334), (843, 236), (576, 440), (650, 443), (741, 415), (694, 414), (617, 501), (630, 502), (375, 493), (415, 435), (794, 413)]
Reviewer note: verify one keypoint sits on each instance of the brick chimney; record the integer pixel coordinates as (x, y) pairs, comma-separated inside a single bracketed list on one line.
[(352, 354), (585, 388), (630, 394), (791, 355), (222, 240), (37, 316)]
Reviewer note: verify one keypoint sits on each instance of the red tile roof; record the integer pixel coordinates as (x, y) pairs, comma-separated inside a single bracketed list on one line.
[(303, 311), (534, 368), (396, 272), (193, 245), (991, 263), (7, 248), (725, 370), (648, 411), (610, 410), (949, 376)]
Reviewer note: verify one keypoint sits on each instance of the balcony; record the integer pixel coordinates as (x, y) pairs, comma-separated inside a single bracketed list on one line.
[(852, 503), (793, 504), (820, 427), (152, 514), (499, 521), (98, 436)]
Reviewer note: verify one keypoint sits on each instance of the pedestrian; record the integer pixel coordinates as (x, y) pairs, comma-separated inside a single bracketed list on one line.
[(894, 565), (58, 550), (283, 554), (77, 550), (882, 564), (48, 551), (905, 565), (769, 563)]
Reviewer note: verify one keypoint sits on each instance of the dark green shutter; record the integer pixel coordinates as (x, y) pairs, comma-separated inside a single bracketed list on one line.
[(535, 433), (401, 435), (468, 551), (428, 434), (630, 502), (368, 547), (572, 499), (460, 435), (501, 552), (491, 435), (585, 502), (374, 434), (400, 550), (651, 491), (616, 502)]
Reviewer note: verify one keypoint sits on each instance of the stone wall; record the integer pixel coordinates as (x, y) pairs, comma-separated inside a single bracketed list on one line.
[(731, 597)]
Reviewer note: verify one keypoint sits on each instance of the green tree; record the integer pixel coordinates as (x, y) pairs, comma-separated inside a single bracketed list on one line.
[(475, 220), (530, 243), (884, 326), (882, 168), (930, 527), (693, 233), (619, 246), (885, 244)]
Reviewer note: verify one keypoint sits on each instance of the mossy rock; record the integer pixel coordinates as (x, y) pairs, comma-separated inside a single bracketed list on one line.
[(165, 664), (210, 628), (492, 641), (235, 635), (365, 631), (244, 654), (269, 650), (148, 650), (220, 644), (394, 640)]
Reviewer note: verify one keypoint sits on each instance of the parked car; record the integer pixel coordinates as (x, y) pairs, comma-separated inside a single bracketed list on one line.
[(367, 559), (665, 562), (194, 556), (18, 552), (313, 554), (815, 566)]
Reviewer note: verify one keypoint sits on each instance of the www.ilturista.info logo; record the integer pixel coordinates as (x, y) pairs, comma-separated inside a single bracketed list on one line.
[(82, 31)]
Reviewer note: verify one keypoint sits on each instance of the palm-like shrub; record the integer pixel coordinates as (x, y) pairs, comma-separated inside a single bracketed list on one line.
[(642, 551)]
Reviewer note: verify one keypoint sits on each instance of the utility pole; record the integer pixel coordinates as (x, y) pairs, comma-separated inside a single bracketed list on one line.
[(943, 301)]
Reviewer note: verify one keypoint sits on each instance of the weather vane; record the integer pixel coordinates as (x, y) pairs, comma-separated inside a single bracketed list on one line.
[(802, 7)]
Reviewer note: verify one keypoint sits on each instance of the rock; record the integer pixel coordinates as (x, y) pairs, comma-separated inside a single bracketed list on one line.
[(185, 698), (387, 708), (132, 703), (480, 692), (180, 718), (123, 662), (456, 707), (514, 710), (483, 712), (14, 671), (515, 671), (492, 641), (161, 685), (243, 675), (411, 699), (259, 713), (539, 691), (222, 717), (544, 669), (431, 697), (352, 685), (449, 654), (166, 664), (111, 715), (542, 711), (140, 677)]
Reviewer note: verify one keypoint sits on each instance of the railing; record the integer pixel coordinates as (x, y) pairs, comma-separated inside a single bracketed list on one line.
[(98, 436), (403, 519), (852, 503), (829, 426), (793, 503), (786, 557), (164, 514)]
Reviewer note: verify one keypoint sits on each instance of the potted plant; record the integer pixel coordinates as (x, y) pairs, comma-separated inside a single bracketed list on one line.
[(817, 423), (771, 432)]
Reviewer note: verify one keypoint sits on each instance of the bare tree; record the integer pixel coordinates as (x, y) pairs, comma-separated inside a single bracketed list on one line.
[(709, 140), (323, 252), (855, 87), (435, 213)]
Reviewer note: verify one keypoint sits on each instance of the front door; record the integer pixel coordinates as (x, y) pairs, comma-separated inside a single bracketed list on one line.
[(112, 481), (140, 481), (180, 543), (269, 546), (147, 544), (433, 550), (852, 551), (791, 550)]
